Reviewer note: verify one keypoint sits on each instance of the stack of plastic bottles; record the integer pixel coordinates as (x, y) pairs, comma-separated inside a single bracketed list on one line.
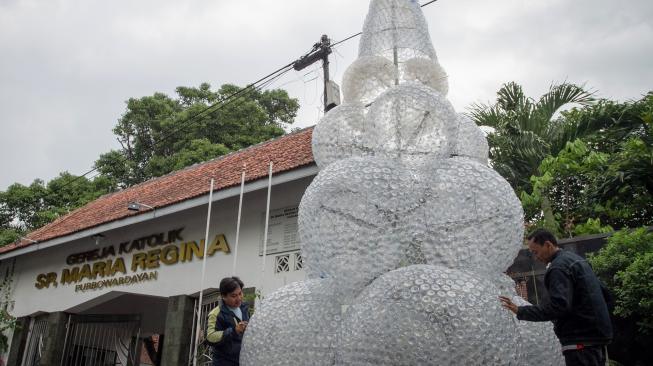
[(406, 231)]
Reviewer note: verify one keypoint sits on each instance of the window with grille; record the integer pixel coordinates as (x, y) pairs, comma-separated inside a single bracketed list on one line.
[(299, 261), (282, 263)]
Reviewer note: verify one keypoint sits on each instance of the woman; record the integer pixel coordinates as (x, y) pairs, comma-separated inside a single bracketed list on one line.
[(227, 323)]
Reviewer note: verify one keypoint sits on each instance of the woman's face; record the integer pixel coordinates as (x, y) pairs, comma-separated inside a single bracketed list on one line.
[(233, 299)]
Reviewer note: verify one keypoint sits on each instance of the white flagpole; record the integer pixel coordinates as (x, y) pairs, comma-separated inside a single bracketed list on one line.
[(199, 303), (267, 219), (240, 210)]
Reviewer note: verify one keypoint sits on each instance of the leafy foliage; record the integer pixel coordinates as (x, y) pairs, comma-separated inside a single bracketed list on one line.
[(626, 265), (563, 180), (635, 292), (592, 226), (604, 179), (524, 131), (198, 151), (26, 208), (159, 134)]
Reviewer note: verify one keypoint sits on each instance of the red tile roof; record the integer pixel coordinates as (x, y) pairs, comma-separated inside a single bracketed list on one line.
[(287, 153)]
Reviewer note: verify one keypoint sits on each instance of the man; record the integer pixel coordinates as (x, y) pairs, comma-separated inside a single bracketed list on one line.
[(576, 304), (227, 323)]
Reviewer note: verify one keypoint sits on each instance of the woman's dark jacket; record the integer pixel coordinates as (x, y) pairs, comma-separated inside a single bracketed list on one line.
[(221, 334), (576, 306)]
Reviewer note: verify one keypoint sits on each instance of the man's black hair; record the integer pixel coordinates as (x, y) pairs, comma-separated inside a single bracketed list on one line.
[(230, 284), (540, 236)]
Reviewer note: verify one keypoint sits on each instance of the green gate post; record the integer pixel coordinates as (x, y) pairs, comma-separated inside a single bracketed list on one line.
[(18, 341), (54, 339)]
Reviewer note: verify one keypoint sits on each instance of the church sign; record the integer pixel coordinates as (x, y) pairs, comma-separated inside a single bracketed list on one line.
[(105, 267)]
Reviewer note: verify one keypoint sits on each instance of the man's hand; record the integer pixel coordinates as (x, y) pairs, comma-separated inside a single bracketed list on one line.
[(508, 304), (240, 327)]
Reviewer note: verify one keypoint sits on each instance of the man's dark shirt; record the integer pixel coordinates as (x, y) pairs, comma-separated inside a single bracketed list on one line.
[(576, 304)]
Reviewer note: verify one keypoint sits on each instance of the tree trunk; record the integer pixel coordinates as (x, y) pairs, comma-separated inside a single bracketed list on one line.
[(549, 219)]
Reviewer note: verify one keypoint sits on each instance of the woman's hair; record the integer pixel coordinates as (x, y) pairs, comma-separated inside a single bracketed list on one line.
[(230, 284)]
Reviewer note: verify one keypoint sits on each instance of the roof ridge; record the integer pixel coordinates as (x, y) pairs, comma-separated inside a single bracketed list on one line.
[(217, 158)]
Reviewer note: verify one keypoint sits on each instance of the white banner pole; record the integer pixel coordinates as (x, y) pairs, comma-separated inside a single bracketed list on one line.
[(240, 210), (199, 303), (267, 220)]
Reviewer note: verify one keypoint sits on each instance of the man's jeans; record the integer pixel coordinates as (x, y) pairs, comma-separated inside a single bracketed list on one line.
[(588, 356)]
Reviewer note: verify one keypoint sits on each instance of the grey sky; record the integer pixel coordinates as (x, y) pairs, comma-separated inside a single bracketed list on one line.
[(67, 66)]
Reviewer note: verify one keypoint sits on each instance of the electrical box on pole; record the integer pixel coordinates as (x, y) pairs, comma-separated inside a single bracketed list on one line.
[(332, 95)]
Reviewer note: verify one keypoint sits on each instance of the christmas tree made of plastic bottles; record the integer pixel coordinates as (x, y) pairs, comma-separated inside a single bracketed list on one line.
[(406, 231)]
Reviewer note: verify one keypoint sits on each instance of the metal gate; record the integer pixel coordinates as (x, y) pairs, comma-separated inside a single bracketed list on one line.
[(34, 350), (209, 302), (102, 340)]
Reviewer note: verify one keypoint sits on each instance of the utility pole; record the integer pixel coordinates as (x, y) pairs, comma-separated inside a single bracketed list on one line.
[(320, 51)]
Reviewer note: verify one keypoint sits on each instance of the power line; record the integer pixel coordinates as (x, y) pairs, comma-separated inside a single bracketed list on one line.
[(222, 103), (184, 124), (189, 121), (428, 3), (347, 39), (227, 100)]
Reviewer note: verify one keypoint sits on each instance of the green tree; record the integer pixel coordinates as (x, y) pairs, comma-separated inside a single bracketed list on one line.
[(563, 180), (604, 179), (20, 205), (26, 208), (159, 134), (635, 291), (625, 264), (525, 131), (198, 151), (625, 191)]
